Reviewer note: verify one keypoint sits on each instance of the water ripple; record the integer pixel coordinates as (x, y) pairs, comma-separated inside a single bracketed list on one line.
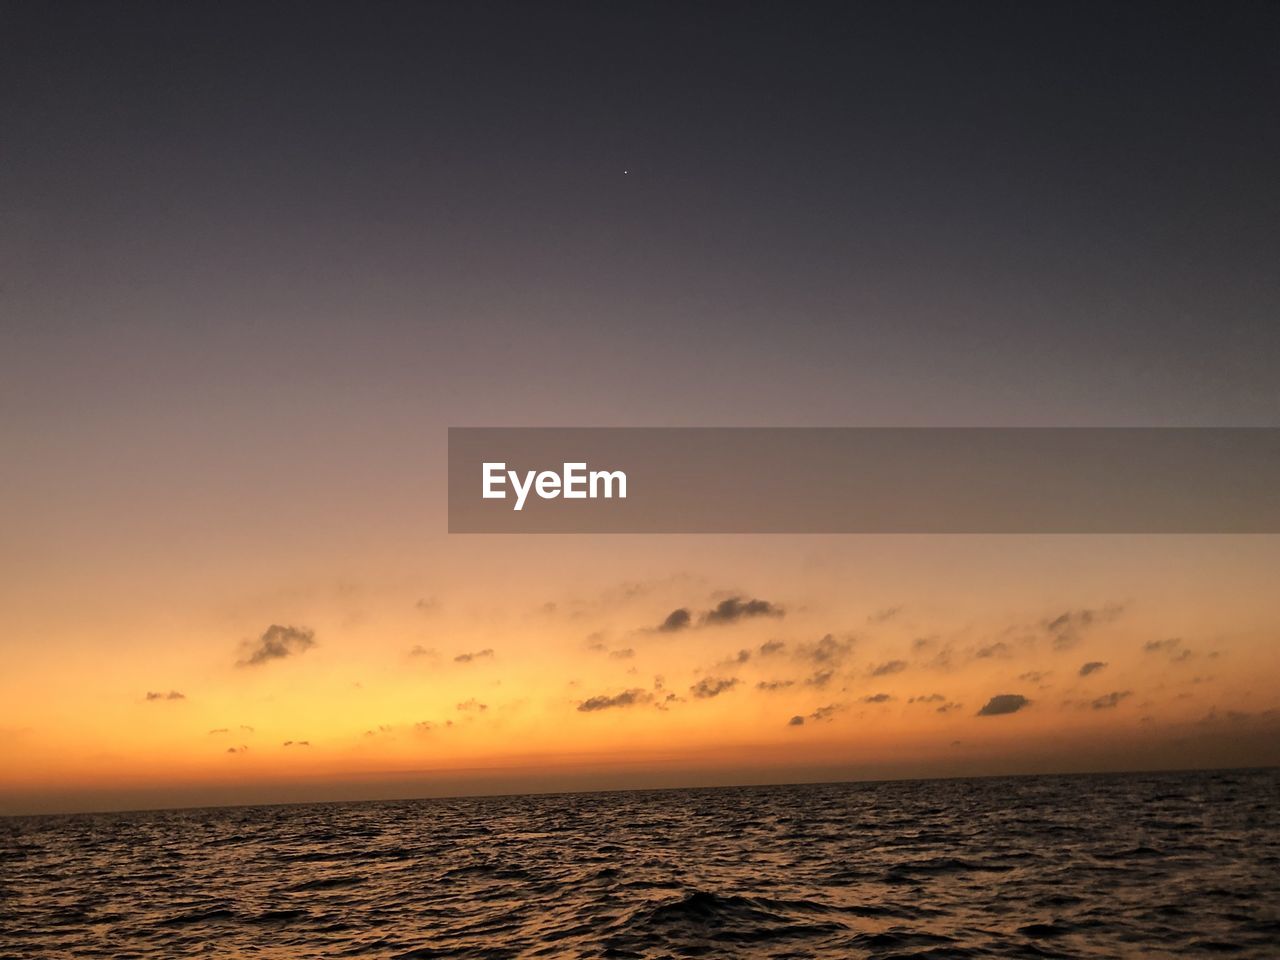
[(1170, 865)]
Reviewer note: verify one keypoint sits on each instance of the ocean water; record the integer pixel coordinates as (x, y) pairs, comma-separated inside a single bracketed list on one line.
[(1183, 865)]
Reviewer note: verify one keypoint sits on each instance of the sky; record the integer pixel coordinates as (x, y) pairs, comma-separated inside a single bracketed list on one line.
[(254, 263)]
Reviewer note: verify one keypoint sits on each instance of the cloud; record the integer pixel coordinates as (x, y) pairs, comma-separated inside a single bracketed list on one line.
[(628, 698), (425, 726), (735, 660), (820, 679), (819, 715), (297, 743), (1110, 700), (219, 730), (478, 655), (880, 616), (1065, 629), (677, 619), (1033, 676), (738, 608), (473, 704), (889, 667), (948, 707), (171, 695), (928, 698), (418, 650), (1172, 647), (942, 658), (709, 687), (992, 650), (826, 650), (278, 642), (770, 647), (239, 749), (427, 605), (1093, 666), (1003, 703), (774, 684), (877, 698), (625, 654)]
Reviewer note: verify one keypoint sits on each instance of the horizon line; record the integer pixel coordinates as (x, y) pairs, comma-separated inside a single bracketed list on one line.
[(671, 789)]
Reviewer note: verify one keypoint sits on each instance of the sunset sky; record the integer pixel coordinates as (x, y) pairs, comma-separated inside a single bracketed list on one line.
[(251, 277)]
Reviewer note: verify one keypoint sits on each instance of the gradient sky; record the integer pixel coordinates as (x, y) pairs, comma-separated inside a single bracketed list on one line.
[(255, 263)]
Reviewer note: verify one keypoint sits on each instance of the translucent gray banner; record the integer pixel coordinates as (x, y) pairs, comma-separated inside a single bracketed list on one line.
[(863, 480)]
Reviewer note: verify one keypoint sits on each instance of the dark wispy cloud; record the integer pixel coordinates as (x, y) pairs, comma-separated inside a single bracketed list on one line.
[(665, 698), (1066, 628), (473, 704), (428, 726), (820, 715), (736, 659), (927, 698), (487, 652), (880, 616), (770, 647), (820, 679), (1172, 648), (949, 707), (677, 619), (1033, 676), (887, 668), (942, 657), (418, 650), (877, 698), (740, 608), (991, 651), (276, 643), (1003, 703), (624, 654), (774, 684), (1109, 700), (239, 749), (297, 743), (827, 650), (171, 695), (726, 612), (627, 698), (709, 687), (1093, 666)]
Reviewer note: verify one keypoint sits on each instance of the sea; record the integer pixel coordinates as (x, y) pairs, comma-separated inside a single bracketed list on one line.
[(1132, 865)]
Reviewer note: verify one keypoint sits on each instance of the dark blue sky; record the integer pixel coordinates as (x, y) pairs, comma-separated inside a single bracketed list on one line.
[(858, 213)]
